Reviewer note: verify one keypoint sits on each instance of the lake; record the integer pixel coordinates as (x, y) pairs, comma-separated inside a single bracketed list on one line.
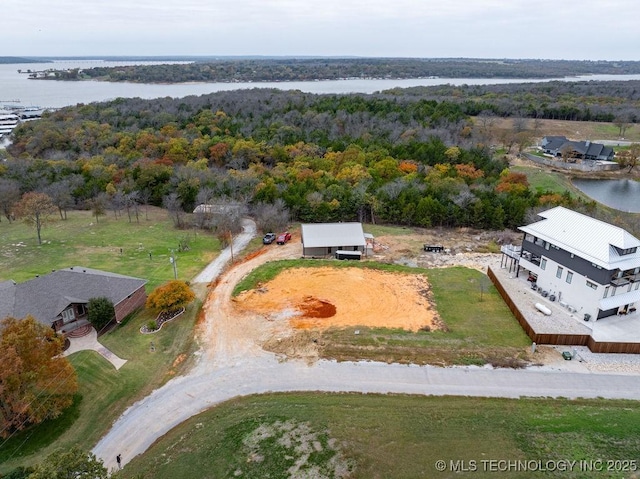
[(18, 89), (623, 195)]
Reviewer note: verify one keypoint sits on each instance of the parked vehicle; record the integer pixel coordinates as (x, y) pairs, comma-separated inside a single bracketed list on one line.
[(283, 237), (268, 238)]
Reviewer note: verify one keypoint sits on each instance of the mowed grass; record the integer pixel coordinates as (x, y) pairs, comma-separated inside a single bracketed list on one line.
[(393, 436), (104, 392), (544, 180), (480, 329), (110, 244)]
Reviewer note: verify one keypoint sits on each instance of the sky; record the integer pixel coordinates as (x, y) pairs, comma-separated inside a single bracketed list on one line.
[(549, 29)]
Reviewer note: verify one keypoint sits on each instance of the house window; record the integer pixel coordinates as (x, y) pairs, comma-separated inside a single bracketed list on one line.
[(546, 245), (543, 263), (68, 315), (569, 276), (637, 286), (559, 272), (82, 309), (592, 285)]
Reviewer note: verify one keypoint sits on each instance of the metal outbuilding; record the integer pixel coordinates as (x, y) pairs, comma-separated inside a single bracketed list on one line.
[(323, 239)]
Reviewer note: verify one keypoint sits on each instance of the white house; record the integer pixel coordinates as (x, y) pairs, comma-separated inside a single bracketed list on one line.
[(589, 266)]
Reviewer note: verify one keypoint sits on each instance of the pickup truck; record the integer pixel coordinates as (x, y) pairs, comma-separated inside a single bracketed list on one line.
[(283, 237), (268, 238)]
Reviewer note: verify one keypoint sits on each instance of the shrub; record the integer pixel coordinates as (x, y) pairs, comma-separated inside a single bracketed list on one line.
[(101, 312), (170, 296)]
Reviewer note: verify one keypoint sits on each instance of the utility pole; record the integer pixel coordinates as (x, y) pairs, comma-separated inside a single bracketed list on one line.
[(172, 260), (231, 244)]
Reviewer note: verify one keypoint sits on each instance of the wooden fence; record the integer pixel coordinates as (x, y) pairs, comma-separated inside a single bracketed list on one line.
[(561, 339)]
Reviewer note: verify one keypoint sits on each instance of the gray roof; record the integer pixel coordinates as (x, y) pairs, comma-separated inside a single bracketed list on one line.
[(586, 237), (324, 235), (45, 297), (587, 148)]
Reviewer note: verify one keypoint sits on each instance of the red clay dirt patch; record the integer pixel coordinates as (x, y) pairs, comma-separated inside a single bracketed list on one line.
[(340, 297)]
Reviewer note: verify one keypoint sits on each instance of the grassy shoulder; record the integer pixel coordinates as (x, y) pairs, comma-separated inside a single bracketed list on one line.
[(480, 329), (391, 436)]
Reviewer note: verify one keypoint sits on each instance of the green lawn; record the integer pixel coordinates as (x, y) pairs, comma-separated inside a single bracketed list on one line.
[(111, 244), (544, 180), (392, 436), (104, 392)]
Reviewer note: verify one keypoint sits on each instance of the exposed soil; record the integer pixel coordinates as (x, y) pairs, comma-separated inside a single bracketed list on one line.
[(326, 297), (289, 314)]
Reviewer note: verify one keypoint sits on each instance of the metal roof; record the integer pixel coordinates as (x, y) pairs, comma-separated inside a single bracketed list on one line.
[(324, 235), (586, 237)]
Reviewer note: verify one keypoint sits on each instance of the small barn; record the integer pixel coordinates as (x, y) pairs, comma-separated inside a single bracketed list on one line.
[(323, 239)]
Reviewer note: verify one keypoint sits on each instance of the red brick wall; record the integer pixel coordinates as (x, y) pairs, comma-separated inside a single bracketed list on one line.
[(130, 304)]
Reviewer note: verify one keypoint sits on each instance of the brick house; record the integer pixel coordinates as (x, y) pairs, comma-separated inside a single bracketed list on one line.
[(60, 299)]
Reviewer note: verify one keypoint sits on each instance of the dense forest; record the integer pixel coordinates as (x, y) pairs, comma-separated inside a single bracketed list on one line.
[(392, 158), (607, 101), (310, 69)]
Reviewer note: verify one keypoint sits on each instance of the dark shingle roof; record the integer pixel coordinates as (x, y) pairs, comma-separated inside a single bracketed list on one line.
[(47, 296)]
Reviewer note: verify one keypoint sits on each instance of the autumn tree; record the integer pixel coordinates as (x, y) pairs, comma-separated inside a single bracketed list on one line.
[(170, 296), (35, 209), (71, 464), (36, 382)]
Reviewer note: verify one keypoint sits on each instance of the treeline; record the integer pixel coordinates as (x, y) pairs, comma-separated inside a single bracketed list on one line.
[(607, 101), (399, 159), (309, 69)]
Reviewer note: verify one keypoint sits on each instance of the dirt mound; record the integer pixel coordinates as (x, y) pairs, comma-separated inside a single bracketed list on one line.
[(327, 297)]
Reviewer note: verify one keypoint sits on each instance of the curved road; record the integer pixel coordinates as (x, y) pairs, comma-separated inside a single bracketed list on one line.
[(231, 368)]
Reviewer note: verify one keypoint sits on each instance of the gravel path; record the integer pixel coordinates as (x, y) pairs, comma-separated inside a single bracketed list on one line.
[(213, 270), (232, 364)]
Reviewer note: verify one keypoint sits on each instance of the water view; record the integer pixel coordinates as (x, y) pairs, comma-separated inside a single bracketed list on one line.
[(623, 195), (18, 90)]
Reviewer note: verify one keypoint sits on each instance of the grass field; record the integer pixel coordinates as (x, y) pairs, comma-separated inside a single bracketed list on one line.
[(390, 436), (480, 327), (111, 244), (104, 392)]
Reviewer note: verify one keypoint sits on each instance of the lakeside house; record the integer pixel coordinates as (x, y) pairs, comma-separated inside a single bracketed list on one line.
[(590, 267), (572, 151)]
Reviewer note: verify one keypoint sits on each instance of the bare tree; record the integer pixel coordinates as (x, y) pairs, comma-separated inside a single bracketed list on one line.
[(271, 216), (623, 123), (9, 196), (60, 194), (173, 204), (99, 205)]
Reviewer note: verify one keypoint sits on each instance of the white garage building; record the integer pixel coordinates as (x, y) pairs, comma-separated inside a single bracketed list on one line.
[(323, 239)]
